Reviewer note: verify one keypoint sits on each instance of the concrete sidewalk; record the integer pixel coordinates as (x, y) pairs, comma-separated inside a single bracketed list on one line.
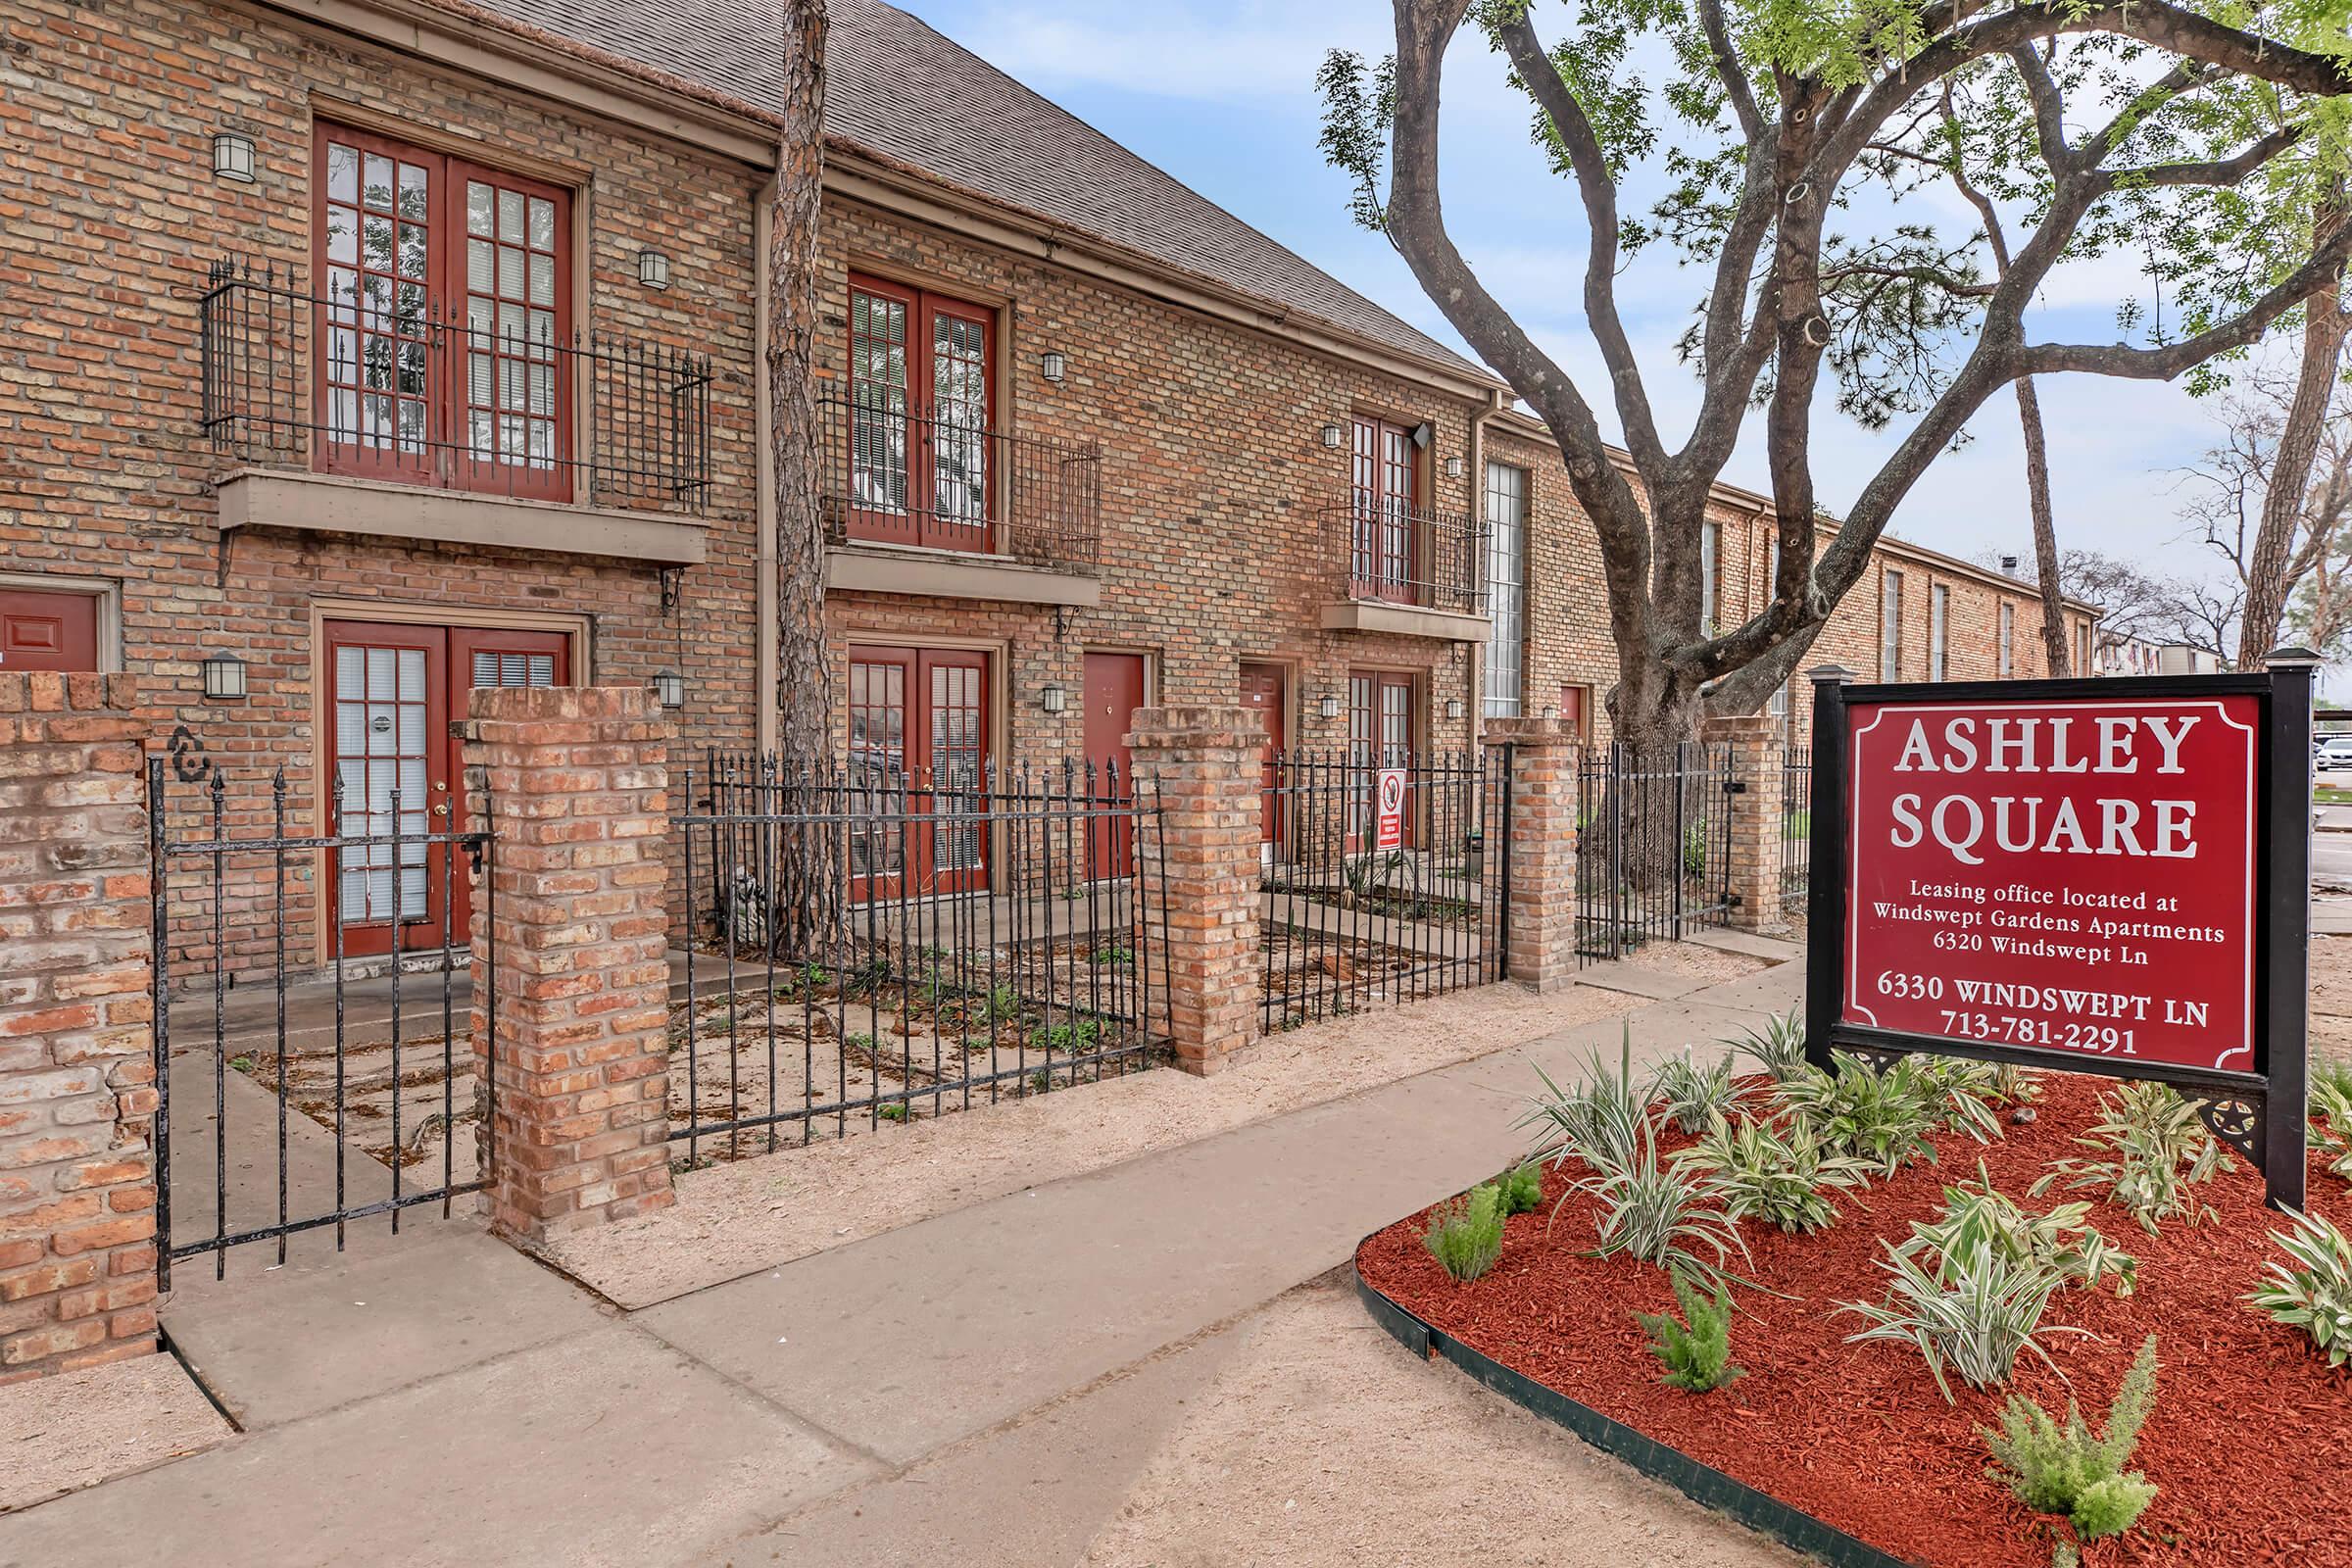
[(983, 1386)]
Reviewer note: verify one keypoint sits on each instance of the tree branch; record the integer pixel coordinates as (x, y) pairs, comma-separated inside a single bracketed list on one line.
[(1734, 75), (2213, 172)]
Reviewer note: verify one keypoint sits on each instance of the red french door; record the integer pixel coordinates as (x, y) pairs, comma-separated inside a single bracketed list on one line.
[(1380, 734), (445, 306), (391, 692), (1383, 491), (921, 386), (1261, 694), (919, 736)]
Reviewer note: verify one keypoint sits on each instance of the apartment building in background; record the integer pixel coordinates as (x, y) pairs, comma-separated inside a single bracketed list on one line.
[(370, 351)]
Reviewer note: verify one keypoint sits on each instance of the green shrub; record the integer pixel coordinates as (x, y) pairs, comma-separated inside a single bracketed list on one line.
[(1595, 1123), (2064, 1468), (1779, 1047), (1777, 1172), (2315, 1294), (1693, 1095), (1963, 1092), (1522, 1188), (1658, 1213), (1973, 1315), (1880, 1118), (1465, 1233), (2157, 1148), (1697, 1349), (2062, 1239), (2331, 1124)]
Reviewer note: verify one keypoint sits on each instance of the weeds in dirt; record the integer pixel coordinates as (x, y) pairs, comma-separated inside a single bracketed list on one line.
[(2158, 1148), (1465, 1233), (1696, 1350), (2315, 1295), (2064, 1468)]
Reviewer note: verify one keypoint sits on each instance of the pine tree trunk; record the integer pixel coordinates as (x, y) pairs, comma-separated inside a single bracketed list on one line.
[(808, 884)]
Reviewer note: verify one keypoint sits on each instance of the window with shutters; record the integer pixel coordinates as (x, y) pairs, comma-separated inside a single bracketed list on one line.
[(446, 301)]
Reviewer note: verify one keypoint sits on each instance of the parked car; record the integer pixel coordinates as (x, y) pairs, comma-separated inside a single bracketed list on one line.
[(2335, 753)]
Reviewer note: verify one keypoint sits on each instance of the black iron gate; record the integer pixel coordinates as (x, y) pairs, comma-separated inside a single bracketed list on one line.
[(330, 1095), (1348, 921), (1653, 845)]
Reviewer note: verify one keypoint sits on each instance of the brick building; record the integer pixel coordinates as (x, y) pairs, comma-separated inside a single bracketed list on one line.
[(363, 353)]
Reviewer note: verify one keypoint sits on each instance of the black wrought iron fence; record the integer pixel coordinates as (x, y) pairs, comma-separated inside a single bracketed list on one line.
[(1796, 830), (1653, 844), (1381, 883), (283, 1108), (880, 946)]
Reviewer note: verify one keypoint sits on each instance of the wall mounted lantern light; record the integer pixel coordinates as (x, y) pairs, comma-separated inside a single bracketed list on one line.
[(1331, 436), (1328, 705), (233, 157), (653, 268), (1454, 708), (224, 678), (1054, 699), (669, 689), (1454, 468), (1054, 365)]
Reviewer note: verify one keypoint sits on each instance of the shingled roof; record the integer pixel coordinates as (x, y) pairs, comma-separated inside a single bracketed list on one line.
[(911, 97)]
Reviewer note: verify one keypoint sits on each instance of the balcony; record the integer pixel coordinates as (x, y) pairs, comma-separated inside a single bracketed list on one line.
[(1406, 570), (412, 418), (932, 502)]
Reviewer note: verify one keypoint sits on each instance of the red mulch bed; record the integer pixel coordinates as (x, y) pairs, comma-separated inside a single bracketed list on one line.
[(2251, 1438)]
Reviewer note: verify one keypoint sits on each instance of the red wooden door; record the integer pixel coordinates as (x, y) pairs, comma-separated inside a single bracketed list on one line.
[(391, 692), (1114, 690), (48, 630), (918, 738), (1384, 489), (1261, 694)]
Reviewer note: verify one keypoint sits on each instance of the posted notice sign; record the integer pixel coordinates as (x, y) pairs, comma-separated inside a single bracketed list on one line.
[(2068, 876), (1388, 808)]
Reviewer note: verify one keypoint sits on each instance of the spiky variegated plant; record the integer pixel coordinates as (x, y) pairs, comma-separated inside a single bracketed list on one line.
[(2315, 1294)]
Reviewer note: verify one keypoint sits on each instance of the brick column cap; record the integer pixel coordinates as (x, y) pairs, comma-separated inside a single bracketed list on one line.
[(1738, 726), (1206, 725), (1526, 732)]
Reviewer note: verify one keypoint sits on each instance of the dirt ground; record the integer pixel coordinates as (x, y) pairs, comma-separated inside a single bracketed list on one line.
[(751, 1213), (2332, 999), (60, 1434), (1325, 1443)]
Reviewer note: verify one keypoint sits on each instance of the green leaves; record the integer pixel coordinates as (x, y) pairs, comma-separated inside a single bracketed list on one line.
[(2315, 1294), (1359, 105), (2064, 1468), (1465, 1234), (2158, 1148), (1975, 1313), (1776, 1172), (1698, 1351)]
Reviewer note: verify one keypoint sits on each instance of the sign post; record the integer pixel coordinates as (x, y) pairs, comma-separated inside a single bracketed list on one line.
[(2106, 876)]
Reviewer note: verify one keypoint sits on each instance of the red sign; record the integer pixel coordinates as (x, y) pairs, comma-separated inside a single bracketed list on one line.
[(2072, 876), (1389, 830)]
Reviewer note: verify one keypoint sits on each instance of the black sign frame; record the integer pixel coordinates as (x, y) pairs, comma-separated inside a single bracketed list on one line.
[(2259, 1113)]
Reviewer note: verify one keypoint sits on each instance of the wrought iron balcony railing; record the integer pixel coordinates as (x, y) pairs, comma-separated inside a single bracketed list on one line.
[(939, 477), (393, 383), (1384, 552)]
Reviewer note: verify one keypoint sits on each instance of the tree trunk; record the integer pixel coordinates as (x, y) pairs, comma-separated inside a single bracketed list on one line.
[(2283, 498), (2055, 654), (808, 884)]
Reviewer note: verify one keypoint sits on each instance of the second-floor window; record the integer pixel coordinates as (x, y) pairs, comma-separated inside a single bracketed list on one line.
[(921, 383), (446, 304), (2008, 640), (1940, 616), (1506, 573), (1890, 628), (1383, 487), (1710, 563)]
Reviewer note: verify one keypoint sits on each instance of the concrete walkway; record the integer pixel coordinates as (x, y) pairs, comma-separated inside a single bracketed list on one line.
[(979, 1387)]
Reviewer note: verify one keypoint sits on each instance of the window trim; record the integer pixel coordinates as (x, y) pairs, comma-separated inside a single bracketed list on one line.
[(1939, 630), (1491, 706), (1891, 627), (2008, 639)]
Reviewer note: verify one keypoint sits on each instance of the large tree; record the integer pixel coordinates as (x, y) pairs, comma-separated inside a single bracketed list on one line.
[(807, 883), (1768, 127)]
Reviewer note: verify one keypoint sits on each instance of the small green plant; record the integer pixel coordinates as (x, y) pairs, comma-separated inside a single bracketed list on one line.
[(1692, 1094), (1881, 1118), (2158, 1150), (1004, 1004), (2064, 1468), (1779, 1047), (859, 1042), (1966, 1092), (813, 975), (1776, 1171), (1075, 1038), (1041, 1082), (1595, 1123), (2331, 1124), (1695, 850), (241, 1064), (871, 975), (1697, 1349), (1663, 1214), (1973, 1315), (2315, 1295), (892, 1112), (2062, 1239), (1522, 1188), (1465, 1233), (1120, 955)]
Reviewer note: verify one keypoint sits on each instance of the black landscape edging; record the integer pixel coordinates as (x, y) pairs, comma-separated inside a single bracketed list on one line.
[(1702, 1484)]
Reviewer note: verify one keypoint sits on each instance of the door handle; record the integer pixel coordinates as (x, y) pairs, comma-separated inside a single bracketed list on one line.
[(440, 807)]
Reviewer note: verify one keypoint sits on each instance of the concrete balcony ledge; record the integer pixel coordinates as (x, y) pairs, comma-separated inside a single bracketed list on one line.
[(318, 503), (1405, 620), (917, 572)]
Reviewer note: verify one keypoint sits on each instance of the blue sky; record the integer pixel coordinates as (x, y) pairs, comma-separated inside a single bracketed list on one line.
[(1220, 94)]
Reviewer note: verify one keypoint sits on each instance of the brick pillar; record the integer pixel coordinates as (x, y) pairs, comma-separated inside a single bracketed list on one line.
[(76, 1048), (1757, 758), (571, 944), (1201, 854), (1541, 900)]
